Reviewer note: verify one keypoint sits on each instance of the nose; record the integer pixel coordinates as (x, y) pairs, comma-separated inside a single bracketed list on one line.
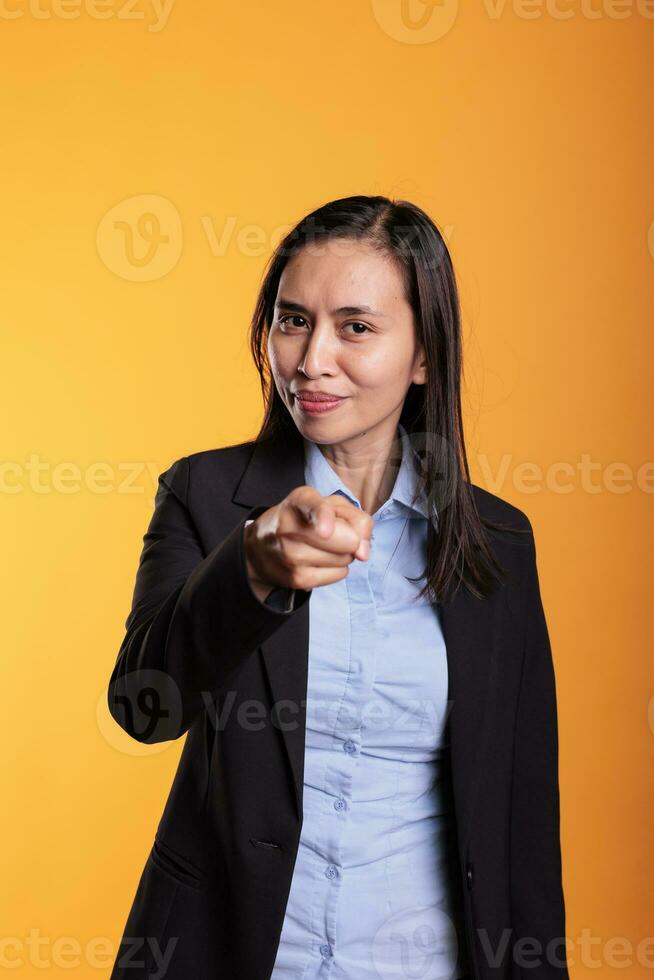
[(319, 353)]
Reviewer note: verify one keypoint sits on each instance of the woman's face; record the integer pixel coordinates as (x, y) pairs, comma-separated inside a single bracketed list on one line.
[(343, 326)]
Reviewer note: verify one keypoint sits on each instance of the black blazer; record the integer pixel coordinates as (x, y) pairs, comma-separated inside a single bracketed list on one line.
[(203, 656)]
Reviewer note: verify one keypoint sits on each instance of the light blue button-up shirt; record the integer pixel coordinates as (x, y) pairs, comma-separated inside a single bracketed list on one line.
[(372, 893)]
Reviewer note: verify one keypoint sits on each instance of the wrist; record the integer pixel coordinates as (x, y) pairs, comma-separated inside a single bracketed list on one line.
[(262, 589), (260, 585)]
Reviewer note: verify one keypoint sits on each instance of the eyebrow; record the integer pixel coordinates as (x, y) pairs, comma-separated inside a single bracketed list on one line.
[(289, 304)]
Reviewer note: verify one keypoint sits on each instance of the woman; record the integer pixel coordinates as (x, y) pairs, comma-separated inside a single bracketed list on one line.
[(352, 635)]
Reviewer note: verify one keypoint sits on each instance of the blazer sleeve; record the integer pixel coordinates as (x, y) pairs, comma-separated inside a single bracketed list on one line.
[(538, 902), (194, 619), (281, 598)]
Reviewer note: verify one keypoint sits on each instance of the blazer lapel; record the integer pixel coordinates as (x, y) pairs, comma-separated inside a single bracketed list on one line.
[(468, 625)]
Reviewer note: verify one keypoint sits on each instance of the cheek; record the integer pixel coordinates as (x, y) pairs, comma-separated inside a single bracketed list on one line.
[(282, 361), (378, 369)]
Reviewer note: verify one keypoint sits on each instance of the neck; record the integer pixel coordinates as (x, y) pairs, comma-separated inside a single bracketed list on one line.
[(368, 464)]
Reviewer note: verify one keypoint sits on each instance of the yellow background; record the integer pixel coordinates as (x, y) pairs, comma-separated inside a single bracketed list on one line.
[(529, 140)]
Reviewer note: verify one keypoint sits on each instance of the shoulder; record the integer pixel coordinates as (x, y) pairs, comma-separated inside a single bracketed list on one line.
[(508, 528), (215, 470), (510, 535), (222, 463), (490, 507)]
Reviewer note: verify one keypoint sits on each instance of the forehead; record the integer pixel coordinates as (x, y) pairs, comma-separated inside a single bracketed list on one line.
[(343, 272)]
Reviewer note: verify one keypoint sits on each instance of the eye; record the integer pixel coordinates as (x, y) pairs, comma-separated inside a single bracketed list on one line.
[(290, 316), (356, 323)]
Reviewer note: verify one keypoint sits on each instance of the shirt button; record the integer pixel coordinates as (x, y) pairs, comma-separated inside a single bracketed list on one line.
[(325, 950), (340, 804), (331, 871), (349, 746)]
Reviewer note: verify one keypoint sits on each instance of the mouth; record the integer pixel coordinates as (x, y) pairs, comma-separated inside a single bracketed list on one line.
[(316, 405)]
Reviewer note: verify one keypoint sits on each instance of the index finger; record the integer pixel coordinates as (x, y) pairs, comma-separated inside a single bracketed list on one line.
[(321, 512), (358, 518)]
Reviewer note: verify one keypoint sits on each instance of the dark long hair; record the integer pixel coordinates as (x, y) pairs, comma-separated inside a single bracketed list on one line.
[(457, 548)]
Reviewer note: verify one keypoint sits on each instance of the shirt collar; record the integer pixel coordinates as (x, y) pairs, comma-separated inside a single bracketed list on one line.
[(319, 474)]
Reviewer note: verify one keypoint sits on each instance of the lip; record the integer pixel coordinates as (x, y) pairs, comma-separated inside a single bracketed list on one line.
[(317, 396), (313, 406)]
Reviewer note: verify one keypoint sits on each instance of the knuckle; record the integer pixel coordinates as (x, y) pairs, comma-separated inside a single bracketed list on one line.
[(298, 494)]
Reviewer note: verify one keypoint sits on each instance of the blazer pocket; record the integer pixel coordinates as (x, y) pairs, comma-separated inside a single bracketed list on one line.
[(271, 845), (177, 866)]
